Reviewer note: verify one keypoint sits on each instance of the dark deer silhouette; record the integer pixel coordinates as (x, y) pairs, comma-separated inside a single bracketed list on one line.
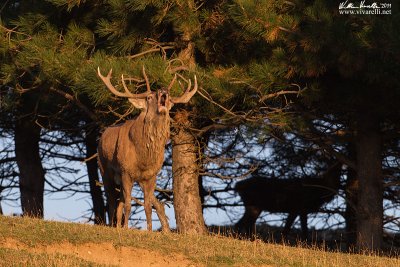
[(296, 196), (134, 151)]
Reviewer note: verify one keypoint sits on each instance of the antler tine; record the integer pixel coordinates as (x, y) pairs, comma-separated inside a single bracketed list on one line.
[(188, 94), (126, 87), (106, 80), (171, 83), (147, 81)]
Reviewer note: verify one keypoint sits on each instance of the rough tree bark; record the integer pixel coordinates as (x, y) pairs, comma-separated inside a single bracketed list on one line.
[(202, 192), (370, 197), (351, 208), (93, 175), (31, 172), (187, 204), (203, 142), (1, 209), (351, 201)]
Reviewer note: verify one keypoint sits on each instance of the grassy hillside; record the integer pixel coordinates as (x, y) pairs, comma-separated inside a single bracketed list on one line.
[(32, 242)]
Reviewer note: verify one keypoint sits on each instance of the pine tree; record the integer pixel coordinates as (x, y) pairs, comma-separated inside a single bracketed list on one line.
[(24, 110), (38, 68)]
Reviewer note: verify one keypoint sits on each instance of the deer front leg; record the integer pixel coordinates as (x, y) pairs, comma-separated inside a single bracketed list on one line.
[(246, 225), (289, 222), (160, 209)]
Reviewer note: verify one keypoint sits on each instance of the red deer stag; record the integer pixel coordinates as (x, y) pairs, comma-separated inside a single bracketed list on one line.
[(298, 197), (134, 151)]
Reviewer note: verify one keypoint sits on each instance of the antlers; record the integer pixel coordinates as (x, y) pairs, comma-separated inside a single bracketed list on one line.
[(187, 95)]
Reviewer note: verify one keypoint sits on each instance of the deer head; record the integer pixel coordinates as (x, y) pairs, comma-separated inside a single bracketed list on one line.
[(158, 102)]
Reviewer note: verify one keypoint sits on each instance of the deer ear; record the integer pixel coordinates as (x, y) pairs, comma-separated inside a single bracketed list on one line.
[(138, 103)]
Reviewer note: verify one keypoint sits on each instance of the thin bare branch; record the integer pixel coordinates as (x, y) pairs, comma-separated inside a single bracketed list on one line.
[(152, 50), (70, 97)]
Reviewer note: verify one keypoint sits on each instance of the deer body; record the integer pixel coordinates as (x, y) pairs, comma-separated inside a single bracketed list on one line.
[(137, 141), (134, 151), (297, 197)]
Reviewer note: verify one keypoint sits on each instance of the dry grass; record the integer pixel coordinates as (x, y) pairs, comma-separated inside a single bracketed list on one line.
[(164, 249)]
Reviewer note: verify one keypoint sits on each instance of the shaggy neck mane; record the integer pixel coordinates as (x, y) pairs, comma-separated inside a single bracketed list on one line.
[(155, 134)]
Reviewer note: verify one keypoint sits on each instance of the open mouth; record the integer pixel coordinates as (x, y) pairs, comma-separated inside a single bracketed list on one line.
[(162, 101)]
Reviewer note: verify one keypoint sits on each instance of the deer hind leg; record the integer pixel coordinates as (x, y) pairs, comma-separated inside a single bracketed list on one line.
[(160, 209), (120, 208), (112, 195), (148, 187), (304, 229), (289, 222), (112, 201), (125, 202)]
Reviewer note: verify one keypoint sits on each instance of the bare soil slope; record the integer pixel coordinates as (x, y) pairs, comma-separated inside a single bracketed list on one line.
[(102, 253)]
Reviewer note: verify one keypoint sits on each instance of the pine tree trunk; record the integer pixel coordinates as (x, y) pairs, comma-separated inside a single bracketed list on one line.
[(185, 169), (202, 191), (351, 201), (1, 209), (31, 172), (188, 211), (92, 169), (351, 208), (370, 197)]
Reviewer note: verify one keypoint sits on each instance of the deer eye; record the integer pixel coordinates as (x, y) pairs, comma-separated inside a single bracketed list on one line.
[(149, 97)]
